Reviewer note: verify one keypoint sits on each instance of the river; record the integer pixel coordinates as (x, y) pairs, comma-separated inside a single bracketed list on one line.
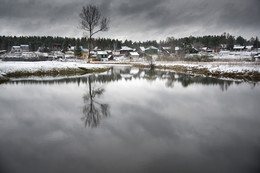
[(129, 120)]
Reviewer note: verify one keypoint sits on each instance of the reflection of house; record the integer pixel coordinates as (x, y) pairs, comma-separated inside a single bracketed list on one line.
[(134, 55), (151, 50), (21, 48), (125, 50)]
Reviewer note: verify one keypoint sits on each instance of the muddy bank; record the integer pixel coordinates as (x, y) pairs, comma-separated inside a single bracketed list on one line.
[(250, 76)]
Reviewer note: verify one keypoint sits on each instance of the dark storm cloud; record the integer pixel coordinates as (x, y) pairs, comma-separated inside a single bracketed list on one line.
[(133, 19)]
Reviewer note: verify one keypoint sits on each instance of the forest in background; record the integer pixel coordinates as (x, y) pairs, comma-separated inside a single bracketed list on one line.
[(46, 42)]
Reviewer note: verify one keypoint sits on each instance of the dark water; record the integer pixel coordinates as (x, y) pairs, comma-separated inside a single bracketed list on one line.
[(130, 121)]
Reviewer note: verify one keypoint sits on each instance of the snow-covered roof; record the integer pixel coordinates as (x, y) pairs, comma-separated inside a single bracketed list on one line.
[(249, 47), (126, 48), (142, 48), (16, 47), (134, 53), (166, 48), (84, 50), (101, 52), (238, 47), (151, 47), (24, 45)]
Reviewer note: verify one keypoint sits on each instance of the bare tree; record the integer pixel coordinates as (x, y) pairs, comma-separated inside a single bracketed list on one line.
[(92, 21)]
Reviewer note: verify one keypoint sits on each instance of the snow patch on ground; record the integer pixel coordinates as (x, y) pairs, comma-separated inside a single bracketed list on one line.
[(12, 66)]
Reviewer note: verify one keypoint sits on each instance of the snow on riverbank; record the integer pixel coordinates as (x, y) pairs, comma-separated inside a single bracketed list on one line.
[(12, 66), (223, 67)]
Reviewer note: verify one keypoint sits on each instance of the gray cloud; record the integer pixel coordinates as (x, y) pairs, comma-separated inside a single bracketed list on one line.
[(133, 19)]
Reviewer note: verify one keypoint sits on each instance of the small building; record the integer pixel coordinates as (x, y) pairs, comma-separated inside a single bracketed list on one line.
[(21, 48), (84, 54), (151, 50), (125, 50), (250, 47), (101, 54), (134, 55), (238, 48), (24, 47)]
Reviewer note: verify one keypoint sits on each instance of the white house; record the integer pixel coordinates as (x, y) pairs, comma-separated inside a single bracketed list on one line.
[(134, 54)]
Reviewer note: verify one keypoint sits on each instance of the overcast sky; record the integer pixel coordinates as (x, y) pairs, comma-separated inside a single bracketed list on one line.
[(136, 20)]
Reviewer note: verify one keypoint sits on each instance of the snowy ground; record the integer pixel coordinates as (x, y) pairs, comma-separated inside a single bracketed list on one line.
[(216, 66), (222, 67), (12, 66)]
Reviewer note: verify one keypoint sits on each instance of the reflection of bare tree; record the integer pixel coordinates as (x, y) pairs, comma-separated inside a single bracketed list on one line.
[(94, 111)]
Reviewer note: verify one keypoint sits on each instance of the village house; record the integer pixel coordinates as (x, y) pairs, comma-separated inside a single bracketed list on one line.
[(151, 50), (21, 48), (134, 55), (141, 51), (101, 54), (84, 53), (238, 48), (125, 50)]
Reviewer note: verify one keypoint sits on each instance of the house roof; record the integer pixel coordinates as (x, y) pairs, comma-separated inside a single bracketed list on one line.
[(151, 47), (238, 47), (249, 47), (101, 52), (24, 45), (166, 48), (142, 48), (84, 50), (126, 48), (16, 47)]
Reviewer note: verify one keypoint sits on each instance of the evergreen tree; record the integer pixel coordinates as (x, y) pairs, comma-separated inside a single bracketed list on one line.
[(256, 43), (77, 50), (240, 41), (65, 45)]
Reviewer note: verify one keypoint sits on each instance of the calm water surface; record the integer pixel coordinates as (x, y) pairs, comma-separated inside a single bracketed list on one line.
[(130, 120)]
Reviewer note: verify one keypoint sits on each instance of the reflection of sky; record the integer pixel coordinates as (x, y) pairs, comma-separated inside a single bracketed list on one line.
[(151, 129)]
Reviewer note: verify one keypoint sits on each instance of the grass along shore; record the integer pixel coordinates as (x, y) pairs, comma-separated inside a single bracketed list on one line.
[(244, 74)]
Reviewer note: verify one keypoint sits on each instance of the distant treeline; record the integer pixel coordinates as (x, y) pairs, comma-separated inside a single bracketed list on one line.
[(50, 43)]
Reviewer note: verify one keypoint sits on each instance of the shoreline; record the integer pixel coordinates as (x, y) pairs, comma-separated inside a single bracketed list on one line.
[(244, 71), (237, 71)]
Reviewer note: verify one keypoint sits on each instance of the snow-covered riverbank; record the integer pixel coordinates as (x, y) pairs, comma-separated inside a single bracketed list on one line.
[(12, 66), (245, 71), (248, 71)]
